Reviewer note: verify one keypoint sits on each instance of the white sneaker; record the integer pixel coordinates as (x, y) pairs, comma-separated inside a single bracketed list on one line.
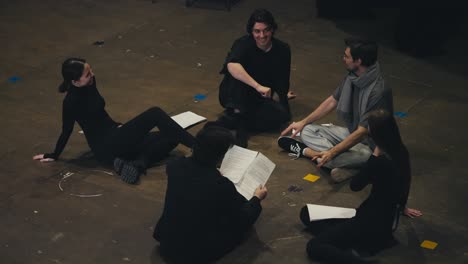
[(342, 174)]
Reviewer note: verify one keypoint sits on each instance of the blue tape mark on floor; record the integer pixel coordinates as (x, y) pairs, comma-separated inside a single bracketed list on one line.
[(14, 79), (199, 97), (401, 114)]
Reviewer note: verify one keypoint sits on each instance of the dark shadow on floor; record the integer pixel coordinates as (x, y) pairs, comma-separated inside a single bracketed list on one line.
[(422, 32), (212, 4), (246, 252)]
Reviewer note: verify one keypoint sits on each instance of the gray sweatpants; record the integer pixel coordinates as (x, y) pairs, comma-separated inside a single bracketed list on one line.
[(321, 138)]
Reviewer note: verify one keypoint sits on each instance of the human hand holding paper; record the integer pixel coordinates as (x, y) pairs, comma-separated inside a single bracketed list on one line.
[(261, 192)]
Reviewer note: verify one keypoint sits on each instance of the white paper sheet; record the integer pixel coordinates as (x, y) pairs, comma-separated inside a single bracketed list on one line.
[(320, 212), (187, 119), (257, 174), (236, 162)]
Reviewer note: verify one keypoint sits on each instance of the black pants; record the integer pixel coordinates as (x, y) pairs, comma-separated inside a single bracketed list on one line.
[(257, 113), (333, 237), (135, 141)]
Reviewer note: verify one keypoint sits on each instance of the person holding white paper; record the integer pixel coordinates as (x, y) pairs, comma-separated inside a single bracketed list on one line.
[(388, 171), (131, 147), (204, 217)]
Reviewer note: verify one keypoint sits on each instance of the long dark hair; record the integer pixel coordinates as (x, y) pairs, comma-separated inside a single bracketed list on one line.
[(383, 129), (72, 69)]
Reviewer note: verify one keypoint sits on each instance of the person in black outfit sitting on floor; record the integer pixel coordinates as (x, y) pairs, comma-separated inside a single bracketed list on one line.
[(388, 170), (130, 146), (204, 216), (255, 87)]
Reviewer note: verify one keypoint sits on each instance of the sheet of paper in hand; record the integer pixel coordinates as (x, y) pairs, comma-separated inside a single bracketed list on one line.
[(247, 169)]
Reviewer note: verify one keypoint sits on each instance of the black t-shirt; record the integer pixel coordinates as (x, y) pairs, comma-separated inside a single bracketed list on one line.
[(271, 69)]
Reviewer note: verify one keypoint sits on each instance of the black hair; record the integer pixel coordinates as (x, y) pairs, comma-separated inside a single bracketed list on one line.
[(211, 143), (384, 131), (363, 49), (261, 16), (72, 69)]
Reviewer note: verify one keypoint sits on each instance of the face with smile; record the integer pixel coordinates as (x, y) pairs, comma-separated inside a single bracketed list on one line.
[(351, 64), (86, 78), (262, 33)]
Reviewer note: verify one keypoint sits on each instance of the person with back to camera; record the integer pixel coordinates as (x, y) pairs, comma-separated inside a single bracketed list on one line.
[(131, 146), (204, 216), (388, 170), (255, 87)]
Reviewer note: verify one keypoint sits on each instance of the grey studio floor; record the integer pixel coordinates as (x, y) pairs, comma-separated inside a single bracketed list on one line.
[(161, 53)]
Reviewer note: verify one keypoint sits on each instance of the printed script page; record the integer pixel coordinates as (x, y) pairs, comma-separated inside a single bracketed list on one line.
[(235, 163), (257, 174)]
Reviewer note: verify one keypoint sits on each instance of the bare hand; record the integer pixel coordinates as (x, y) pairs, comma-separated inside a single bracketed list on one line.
[(41, 158), (296, 126), (325, 156), (264, 91), (412, 213), (377, 151), (291, 95), (261, 192)]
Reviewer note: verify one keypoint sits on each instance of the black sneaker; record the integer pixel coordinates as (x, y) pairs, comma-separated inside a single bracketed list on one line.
[(118, 165), (294, 147), (129, 171)]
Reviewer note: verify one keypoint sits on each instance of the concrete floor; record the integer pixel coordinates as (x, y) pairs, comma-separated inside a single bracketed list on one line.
[(163, 54)]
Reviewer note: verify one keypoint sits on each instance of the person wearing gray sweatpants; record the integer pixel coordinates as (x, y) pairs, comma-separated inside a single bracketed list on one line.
[(344, 149)]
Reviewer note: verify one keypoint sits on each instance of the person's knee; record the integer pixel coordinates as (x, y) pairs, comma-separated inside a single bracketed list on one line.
[(156, 112), (155, 109), (364, 155), (361, 155), (310, 130), (304, 216)]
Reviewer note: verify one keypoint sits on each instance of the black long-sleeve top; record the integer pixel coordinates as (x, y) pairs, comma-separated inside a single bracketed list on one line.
[(271, 69), (87, 107), (203, 212), (389, 190)]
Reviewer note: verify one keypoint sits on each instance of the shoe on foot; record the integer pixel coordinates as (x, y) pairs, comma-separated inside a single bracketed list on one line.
[(118, 165), (342, 174), (294, 147), (129, 171)]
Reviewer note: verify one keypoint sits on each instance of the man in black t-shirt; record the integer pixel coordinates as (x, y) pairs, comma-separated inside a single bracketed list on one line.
[(255, 88)]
